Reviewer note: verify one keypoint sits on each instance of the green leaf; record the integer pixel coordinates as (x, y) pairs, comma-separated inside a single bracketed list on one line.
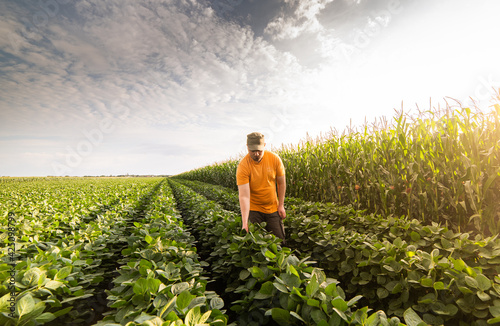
[(427, 282), (493, 320), (257, 272), (25, 305), (88, 295), (53, 284), (119, 303), (296, 315), (62, 311), (198, 301), (313, 302), (153, 285), (79, 262), (140, 286), (280, 287), (184, 299), (297, 292), (261, 296), (428, 298), (146, 263), (216, 303), (204, 318), (465, 305), (45, 317), (490, 180), (411, 318), (168, 308), (172, 316), (317, 315), (353, 301), (340, 304), (483, 296), (126, 251), (37, 311), (244, 274), (398, 242), (31, 277), (148, 238), (397, 288), (192, 316), (290, 280), (465, 290), (471, 282), (447, 310), (63, 273), (281, 316), (382, 293), (178, 288), (312, 287), (484, 284), (331, 290), (4, 303), (293, 270), (495, 311), (267, 288), (439, 286), (269, 254), (373, 320)]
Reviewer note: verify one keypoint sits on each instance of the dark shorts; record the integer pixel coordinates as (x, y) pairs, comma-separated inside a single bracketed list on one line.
[(273, 221)]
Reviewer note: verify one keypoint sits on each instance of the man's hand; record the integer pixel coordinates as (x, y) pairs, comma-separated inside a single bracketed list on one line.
[(245, 227), (282, 212), (281, 182)]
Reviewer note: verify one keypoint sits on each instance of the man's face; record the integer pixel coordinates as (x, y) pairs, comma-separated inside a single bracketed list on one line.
[(256, 155)]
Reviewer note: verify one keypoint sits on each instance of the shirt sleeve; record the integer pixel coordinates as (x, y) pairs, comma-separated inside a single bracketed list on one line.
[(242, 174), (280, 170)]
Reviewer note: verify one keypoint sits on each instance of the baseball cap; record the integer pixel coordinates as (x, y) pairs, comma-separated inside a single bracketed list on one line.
[(255, 141)]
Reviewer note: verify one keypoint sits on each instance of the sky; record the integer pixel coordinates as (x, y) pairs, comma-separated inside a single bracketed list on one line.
[(110, 87)]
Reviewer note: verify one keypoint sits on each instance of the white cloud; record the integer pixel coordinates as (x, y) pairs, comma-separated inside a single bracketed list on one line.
[(303, 20)]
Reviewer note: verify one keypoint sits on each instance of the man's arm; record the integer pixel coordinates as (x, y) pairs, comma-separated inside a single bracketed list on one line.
[(244, 196), (281, 181)]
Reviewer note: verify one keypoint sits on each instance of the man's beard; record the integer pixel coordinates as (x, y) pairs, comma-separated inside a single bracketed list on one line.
[(258, 159)]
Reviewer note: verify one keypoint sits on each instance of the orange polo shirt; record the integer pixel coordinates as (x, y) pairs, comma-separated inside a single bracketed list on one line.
[(262, 179)]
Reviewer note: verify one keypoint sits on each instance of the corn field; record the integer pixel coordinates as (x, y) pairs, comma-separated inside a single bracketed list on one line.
[(439, 166)]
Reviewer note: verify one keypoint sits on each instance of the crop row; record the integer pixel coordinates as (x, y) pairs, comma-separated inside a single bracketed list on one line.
[(265, 283), (161, 279), (394, 263)]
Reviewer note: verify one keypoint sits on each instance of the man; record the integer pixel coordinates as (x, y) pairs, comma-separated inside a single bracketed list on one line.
[(257, 175)]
